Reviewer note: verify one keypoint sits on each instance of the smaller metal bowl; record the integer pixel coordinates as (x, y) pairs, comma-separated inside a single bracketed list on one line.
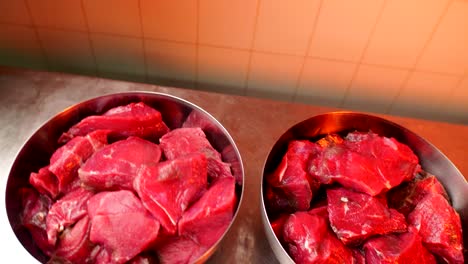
[(37, 150), (431, 160)]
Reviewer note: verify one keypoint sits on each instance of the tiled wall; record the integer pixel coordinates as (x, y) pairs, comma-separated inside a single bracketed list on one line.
[(388, 56)]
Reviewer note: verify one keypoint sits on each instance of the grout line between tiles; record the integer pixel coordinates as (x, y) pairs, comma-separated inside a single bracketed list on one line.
[(197, 38), (361, 58), (418, 57), (249, 62), (39, 40), (143, 44), (309, 43), (91, 44)]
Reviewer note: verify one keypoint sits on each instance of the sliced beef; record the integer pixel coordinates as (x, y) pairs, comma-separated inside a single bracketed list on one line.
[(179, 250), (291, 187), (182, 141), (365, 162), (134, 119), (208, 218), (121, 224), (66, 160), (115, 166), (398, 248), (74, 244), (66, 211), (405, 197), (309, 239), (168, 188), (35, 209), (356, 216), (439, 227), (45, 182)]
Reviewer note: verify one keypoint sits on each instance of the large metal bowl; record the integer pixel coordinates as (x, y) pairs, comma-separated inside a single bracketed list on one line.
[(431, 159), (39, 147)]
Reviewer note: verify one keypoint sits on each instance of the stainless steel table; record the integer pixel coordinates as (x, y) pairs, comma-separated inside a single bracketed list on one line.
[(29, 98)]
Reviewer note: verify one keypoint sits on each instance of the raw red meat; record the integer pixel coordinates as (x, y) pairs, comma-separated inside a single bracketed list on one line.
[(365, 162), (67, 159), (404, 198), (439, 227), (197, 119), (35, 209), (134, 119), (356, 216), (45, 182), (207, 219), (278, 225), (66, 211), (115, 166), (310, 240), (121, 223), (179, 250), (74, 244), (358, 256), (291, 185), (398, 248), (143, 259), (182, 141), (168, 188)]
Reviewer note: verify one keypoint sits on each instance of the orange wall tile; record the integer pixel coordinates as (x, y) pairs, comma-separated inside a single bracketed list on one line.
[(385, 56)]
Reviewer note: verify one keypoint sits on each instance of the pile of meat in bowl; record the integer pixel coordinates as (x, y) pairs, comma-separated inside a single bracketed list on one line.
[(126, 178), (352, 188)]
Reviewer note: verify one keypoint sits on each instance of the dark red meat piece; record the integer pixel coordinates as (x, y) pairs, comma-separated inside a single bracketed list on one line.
[(405, 197), (291, 187), (143, 259), (74, 244), (358, 256), (398, 248), (134, 119), (278, 225), (182, 141), (439, 227), (115, 166), (35, 209), (121, 223), (356, 216), (197, 119), (168, 188), (179, 250), (365, 162), (310, 240), (66, 211), (67, 159), (207, 219), (45, 182)]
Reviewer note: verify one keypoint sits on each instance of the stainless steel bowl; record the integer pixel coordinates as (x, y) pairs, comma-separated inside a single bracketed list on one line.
[(39, 147), (431, 159)]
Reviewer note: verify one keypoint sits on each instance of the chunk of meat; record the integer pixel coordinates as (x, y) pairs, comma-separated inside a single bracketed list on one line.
[(310, 240), (356, 216), (33, 217), (66, 160), (168, 188), (45, 182), (398, 248), (197, 119), (66, 211), (179, 250), (278, 225), (208, 218), (134, 119), (121, 223), (291, 185), (182, 141), (405, 197), (144, 259), (439, 227), (365, 162), (115, 166), (74, 244)]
